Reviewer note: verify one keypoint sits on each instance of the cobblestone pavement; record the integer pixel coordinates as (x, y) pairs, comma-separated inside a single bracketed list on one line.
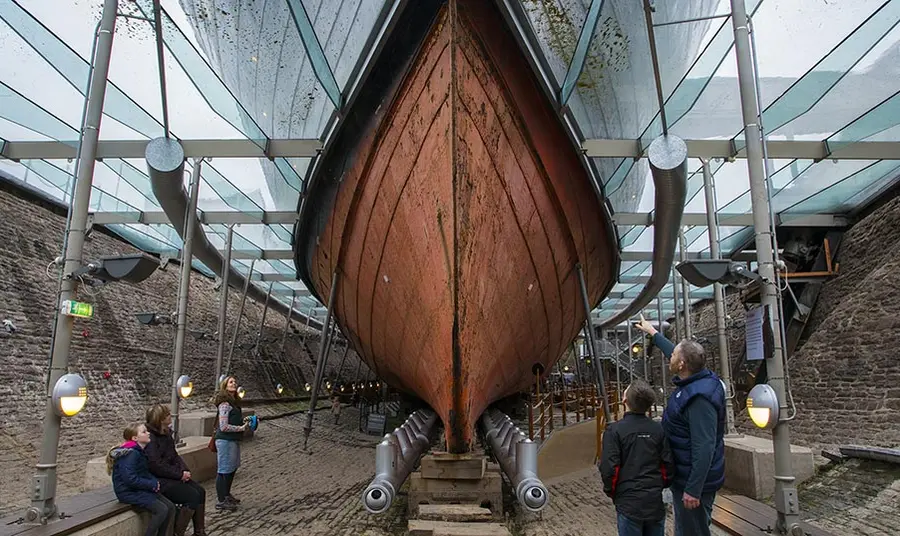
[(286, 491)]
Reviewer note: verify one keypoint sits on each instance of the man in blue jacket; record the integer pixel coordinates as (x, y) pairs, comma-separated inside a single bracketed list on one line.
[(694, 423)]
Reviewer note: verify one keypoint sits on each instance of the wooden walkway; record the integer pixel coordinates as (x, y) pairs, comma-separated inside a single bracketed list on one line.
[(743, 516)]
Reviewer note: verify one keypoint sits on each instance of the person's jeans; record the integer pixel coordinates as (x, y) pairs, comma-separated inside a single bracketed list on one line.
[(162, 512), (692, 522), (633, 527)]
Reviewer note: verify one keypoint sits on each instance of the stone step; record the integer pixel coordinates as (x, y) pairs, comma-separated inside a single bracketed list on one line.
[(459, 513), (418, 527)]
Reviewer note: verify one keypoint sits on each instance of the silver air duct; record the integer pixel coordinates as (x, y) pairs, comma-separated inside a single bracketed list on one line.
[(668, 166), (517, 456), (395, 458), (165, 165)]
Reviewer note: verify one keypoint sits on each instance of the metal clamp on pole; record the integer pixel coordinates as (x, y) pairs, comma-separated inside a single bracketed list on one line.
[(395, 458), (517, 456)]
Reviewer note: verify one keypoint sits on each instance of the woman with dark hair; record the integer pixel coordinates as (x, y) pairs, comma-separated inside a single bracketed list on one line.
[(133, 483), (229, 432), (173, 473)]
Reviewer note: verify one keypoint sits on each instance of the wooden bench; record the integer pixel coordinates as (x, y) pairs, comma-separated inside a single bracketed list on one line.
[(80, 511), (742, 516)]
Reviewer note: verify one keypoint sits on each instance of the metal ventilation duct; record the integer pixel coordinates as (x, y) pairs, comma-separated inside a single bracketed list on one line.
[(165, 164), (668, 166)]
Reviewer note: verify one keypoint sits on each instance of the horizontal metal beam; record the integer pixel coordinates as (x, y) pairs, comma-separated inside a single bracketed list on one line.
[(263, 254), (209, 218), (600, 148), (789, 149), (288, 217), (52, 150), (698, 219), (629, 294)]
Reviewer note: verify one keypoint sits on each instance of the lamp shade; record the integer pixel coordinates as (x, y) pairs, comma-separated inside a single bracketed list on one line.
[(241, 392), (69, 395), (184, 385), (279, 388), (762, 406)]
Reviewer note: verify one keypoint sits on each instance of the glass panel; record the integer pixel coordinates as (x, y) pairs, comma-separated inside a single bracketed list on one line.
[(75, 69), (834, 199), (883, 117), (219, 98), (16, 108), (228, 194), (806, 91)]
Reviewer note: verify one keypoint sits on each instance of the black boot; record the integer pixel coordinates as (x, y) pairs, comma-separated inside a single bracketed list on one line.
[(200, 520), (182, 519)]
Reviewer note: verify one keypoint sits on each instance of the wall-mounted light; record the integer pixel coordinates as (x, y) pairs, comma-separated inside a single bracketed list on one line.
[(637, 348), (566, 368), (241, 392), (762, 405), (222, 378), (69, 395), (279, 388), (328, 386), (184, 385), (308, 387)]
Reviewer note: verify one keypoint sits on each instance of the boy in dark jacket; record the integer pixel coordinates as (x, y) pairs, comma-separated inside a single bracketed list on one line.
[(636, 465), (133, 483)]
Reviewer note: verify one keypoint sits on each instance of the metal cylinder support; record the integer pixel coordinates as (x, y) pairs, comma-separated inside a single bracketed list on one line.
[(395, 458), (517, 456)]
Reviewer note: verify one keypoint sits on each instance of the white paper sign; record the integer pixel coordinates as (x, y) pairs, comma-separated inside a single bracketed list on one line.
[(753, 328)]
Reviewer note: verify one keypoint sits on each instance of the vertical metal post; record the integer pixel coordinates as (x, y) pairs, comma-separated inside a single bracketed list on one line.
[(237, 323), (618, 362), (323, 355), (43, 484), (685, 287), (630, 346), (662, 356), (341, 367), (709, 190), (287, 320), (184, 287), (786, 501), (306, 331), (262, 319), (589, 332), (676, 322), (577, 355), (562, 378), (223, 304)]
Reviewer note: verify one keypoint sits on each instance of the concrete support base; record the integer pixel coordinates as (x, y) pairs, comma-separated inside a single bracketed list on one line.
[(198, 423), (197, 456), (750, 465)]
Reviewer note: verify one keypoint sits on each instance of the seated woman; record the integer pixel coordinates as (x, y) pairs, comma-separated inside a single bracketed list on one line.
[(229, 432), (133, 483), (174, 475)]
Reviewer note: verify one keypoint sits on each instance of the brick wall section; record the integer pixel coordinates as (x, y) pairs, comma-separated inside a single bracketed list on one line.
[(138, 357), (846, 373)]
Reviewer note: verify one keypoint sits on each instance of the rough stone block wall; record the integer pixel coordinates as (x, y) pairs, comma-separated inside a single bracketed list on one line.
[(138, 358), (845, 374)]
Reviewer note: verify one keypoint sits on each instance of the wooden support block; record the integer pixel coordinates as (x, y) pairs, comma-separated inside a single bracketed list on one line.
[(487, 492), (459, 513), (453, 466), (419, 527)]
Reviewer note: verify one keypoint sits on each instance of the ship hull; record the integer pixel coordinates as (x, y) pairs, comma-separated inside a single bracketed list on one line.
[(454, 209)]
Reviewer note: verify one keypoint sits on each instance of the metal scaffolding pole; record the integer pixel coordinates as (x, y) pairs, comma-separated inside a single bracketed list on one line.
[(43, 484), (709, 190), (262, 320), (237, 323), (287, 320), (618, 368), (223, 304), (628, 352), (184, 287), (662, 356), (324, 343), (685, 288), (589, 334), (675, 336), (786, 501)]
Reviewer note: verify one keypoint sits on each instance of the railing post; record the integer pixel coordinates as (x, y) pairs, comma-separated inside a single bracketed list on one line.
[(551, 409), (530, 418)]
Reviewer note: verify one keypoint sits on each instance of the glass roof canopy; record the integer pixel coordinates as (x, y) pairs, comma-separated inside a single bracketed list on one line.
[(829, 72)]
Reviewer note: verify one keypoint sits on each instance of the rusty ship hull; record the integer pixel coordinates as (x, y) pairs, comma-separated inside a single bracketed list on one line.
[(454, 209)]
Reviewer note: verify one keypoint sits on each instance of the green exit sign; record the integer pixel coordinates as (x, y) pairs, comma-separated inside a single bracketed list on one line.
[(79, 309)]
